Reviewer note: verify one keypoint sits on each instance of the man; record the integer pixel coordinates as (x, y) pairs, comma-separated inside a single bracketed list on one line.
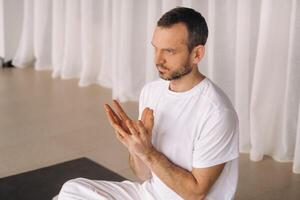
[(185, 145)]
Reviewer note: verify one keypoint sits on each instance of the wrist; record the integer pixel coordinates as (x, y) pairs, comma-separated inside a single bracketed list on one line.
[(149, 156)]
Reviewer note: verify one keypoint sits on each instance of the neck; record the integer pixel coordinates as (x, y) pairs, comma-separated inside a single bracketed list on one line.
[(187, 82)]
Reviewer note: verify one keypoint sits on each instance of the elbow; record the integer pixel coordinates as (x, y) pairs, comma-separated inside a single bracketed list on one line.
[(197, 196)]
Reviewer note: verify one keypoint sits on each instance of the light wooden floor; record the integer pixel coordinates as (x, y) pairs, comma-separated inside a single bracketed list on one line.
[(44, 121)]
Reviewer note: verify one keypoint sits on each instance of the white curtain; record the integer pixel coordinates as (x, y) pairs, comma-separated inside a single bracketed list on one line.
[(252, 53), (1, 33)]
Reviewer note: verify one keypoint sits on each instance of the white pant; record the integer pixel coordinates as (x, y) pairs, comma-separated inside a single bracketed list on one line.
[(85, 189)]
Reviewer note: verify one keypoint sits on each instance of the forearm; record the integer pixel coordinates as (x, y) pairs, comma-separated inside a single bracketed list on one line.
[(178, 179), (139, 168)]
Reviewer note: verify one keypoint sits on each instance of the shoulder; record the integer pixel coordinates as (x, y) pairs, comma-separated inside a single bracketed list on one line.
[(216, 98)]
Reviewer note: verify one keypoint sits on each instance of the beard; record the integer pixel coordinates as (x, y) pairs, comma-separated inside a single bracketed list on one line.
[(176, 74)]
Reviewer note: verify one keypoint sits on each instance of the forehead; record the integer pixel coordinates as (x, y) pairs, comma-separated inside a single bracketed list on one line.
[(174, 36)]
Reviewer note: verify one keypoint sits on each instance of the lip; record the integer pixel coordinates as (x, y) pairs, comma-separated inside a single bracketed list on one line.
[(162, 69)]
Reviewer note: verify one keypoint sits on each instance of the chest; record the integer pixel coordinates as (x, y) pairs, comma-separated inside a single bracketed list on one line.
[(175, 128)]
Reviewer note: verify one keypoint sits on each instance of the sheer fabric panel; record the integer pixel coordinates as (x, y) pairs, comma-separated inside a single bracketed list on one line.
[(252, 53)]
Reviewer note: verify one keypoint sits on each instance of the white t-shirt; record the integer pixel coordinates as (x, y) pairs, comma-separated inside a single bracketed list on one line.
[(194, 129)]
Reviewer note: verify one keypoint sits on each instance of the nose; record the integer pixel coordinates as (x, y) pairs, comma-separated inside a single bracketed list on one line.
[(159, 58)]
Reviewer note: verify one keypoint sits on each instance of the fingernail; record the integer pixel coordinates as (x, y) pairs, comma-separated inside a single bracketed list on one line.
[(106, 107)]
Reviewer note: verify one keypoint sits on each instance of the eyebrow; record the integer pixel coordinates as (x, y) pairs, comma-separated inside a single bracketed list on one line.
[(172, 49)]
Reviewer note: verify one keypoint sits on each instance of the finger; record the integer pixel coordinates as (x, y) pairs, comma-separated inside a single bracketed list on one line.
[(124, 126), (118, 134), (144, 114), (151, 117), (135, 126), (149, 121), (110, 117), (141, 127), (121, 131), (120, 110), (121, 138), (130, 125), (111, 112), (114, 119)]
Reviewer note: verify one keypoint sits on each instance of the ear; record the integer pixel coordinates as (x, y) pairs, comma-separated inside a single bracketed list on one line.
[(197, 54)]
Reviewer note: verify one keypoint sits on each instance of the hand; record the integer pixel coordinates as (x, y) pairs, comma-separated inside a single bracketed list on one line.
[(136, 136), (119, 119), (147, 116)]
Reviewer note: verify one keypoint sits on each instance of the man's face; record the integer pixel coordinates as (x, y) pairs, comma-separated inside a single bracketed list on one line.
[(172, 57)]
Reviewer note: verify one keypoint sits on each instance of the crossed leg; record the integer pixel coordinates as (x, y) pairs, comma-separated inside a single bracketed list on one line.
[(82, 189)]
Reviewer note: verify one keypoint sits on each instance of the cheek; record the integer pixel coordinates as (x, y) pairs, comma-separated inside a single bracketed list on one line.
[(177, 61)]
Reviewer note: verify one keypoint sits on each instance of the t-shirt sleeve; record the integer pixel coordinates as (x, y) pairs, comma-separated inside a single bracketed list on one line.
[(217, 140)]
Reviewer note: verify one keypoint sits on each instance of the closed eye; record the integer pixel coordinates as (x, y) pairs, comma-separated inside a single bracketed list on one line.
[(170, 51), (166, 50)]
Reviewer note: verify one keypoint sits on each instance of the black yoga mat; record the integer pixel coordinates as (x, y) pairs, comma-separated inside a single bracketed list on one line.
[(45, 183)]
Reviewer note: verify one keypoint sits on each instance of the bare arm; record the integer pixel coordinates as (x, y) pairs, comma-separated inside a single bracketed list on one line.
[(139, 168), (189, 185)]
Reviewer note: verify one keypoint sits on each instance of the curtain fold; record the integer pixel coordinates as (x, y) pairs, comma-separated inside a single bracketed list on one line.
[(252, 53)]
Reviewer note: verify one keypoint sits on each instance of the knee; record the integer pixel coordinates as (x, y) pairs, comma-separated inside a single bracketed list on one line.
[(73, 184), (71, 188)]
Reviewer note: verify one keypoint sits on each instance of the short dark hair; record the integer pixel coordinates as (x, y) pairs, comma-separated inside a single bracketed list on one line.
[(194, 21)]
